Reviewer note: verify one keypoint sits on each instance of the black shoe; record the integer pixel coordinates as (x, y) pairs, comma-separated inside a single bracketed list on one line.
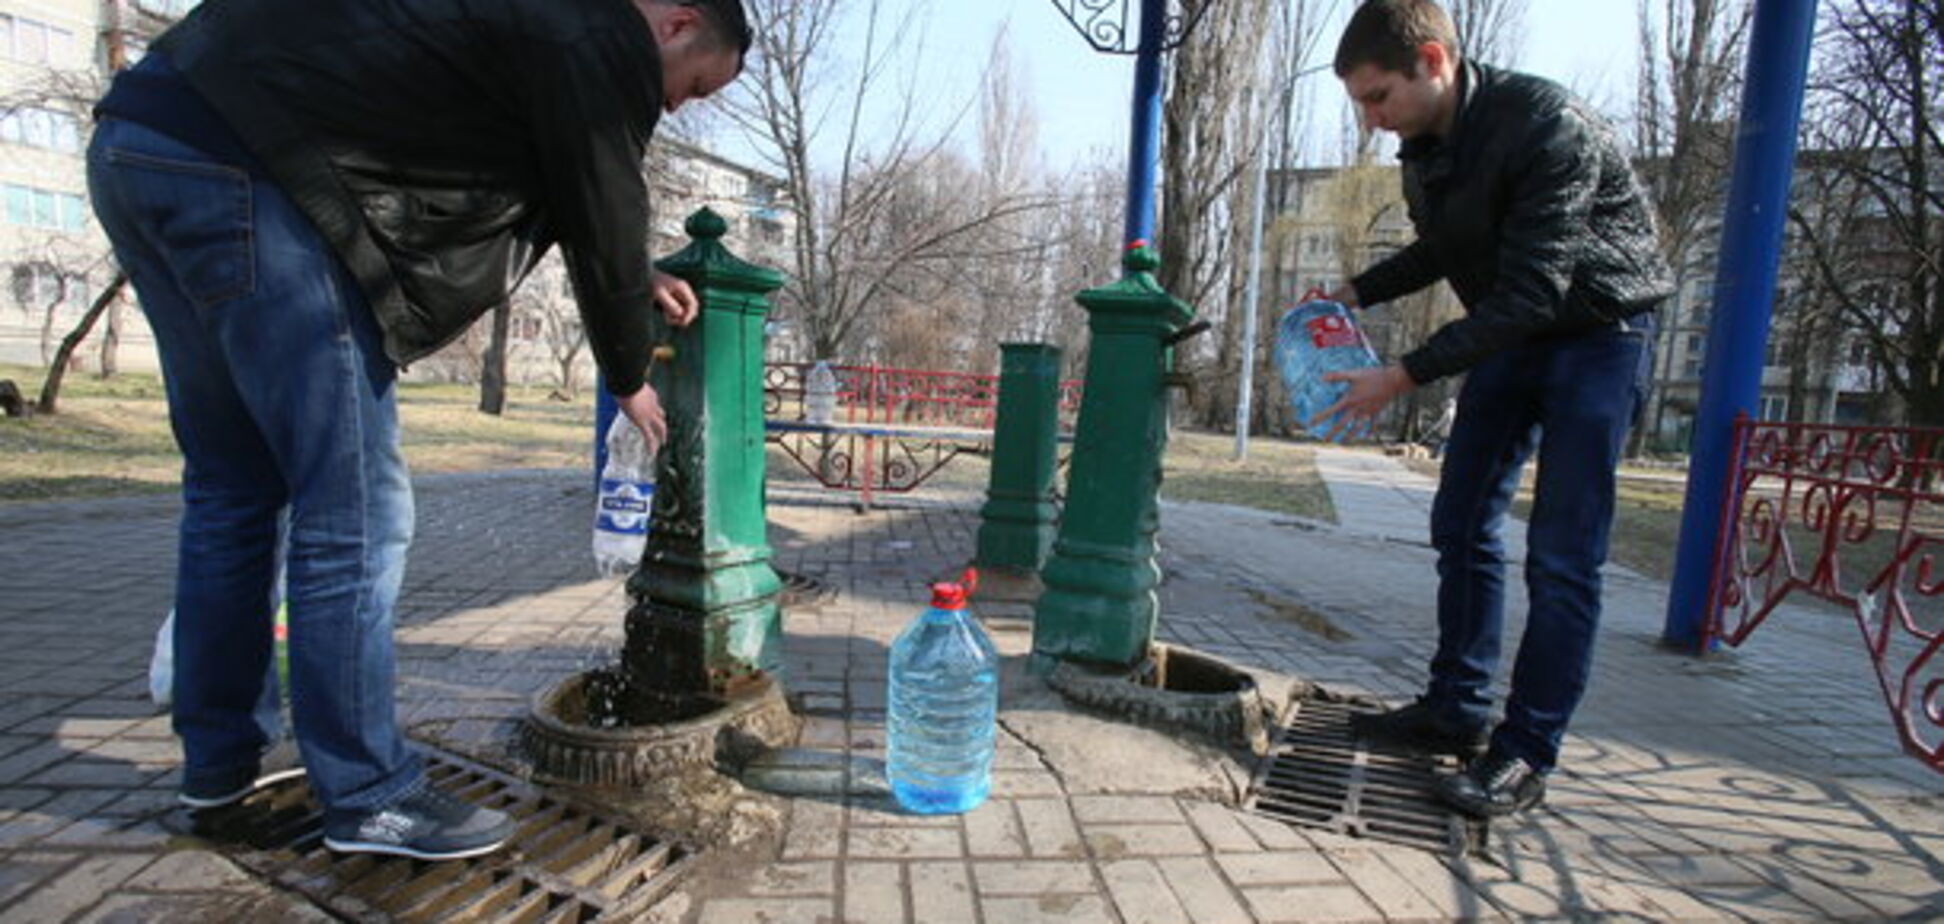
[(427, 824), (1494, 785), (210, 791), (1420, 727)]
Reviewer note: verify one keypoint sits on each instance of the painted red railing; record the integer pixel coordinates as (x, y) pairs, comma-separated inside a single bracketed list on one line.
[(1853, 516), (897, 455), (919, 397)]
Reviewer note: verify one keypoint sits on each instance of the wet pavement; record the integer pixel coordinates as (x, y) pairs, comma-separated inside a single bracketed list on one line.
[(1763, 784)]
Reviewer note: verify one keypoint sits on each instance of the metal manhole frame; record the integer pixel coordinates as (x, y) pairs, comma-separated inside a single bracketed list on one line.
[(1304, 768), (288, 851)]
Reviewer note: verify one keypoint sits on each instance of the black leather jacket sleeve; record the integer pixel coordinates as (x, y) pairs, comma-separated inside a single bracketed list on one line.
[(590, 159), (1548, 213), (1398, 275)]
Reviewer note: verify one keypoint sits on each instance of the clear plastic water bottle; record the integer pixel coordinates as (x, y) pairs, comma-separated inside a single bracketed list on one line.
[(1313, 339), (820, 394), (944, 702), (621, 510)]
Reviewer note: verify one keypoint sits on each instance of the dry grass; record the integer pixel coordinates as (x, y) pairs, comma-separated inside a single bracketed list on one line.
[(112, 437)]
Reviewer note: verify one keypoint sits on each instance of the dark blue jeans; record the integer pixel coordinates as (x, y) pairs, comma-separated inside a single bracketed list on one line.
[(280, 397), (1573, 400)]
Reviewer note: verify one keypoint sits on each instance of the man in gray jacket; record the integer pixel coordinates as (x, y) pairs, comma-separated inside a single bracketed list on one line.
[(308, 194), (1523, 201)]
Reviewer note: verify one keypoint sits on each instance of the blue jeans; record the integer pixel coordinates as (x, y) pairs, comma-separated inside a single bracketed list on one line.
[(280, 397), (1572, 399)]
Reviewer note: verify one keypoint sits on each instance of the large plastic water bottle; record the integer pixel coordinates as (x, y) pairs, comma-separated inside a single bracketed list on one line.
[(1313, 339), (944, 702), (621, 511), (820, 394)]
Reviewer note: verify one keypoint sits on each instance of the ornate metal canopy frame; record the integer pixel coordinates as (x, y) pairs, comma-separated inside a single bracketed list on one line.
[(1113, 26)]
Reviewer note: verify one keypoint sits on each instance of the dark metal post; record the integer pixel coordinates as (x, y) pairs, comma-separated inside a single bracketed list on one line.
[(1751, 238)]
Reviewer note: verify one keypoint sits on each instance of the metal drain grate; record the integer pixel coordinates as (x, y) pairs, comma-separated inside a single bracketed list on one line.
[(801, 591), (1318, 775), (567, 864)]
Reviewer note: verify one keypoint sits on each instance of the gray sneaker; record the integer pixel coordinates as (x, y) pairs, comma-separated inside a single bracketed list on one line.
[(427, 825), (204, 791)]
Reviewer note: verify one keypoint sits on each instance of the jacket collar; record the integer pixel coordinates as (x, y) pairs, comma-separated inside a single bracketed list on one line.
[(1436, 156)]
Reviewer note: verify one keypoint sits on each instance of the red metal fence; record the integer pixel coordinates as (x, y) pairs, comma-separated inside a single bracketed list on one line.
[(919, 397), (1853, 516), (897, 454)]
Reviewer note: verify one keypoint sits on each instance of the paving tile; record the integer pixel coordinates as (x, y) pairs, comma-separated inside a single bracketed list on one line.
[(1141, 894), (767, 911), (1277, 868), (905, 843), (1310, 903), (1050, 830), (993, 830), (816, 830), (1220, 826), (1112, 842), (941, 893), (1033, 877), (873, 893), (1203, 894), (1111, 809), (781, 879), (80, 886), (1049, 909)]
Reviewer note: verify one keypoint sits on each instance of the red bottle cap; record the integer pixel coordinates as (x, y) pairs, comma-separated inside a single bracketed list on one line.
[(951, 595)]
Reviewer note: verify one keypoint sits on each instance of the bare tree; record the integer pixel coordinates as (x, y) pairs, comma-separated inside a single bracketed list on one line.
[(545, 304), (851, 243), (1869, 204), (1490, 30), (1685, 105)]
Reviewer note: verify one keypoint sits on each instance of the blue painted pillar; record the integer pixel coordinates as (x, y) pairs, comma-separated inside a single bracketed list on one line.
[(1144, 139), (1751, 239)]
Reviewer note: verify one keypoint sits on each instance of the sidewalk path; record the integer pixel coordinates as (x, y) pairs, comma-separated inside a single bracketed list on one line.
[(1762, 785)]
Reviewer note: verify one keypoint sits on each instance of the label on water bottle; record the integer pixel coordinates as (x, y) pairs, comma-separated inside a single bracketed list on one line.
[(1332, 330), (624, 506)]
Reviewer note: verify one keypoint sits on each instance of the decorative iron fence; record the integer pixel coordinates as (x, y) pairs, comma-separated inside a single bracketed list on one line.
[(1853, 516), (893, 428)]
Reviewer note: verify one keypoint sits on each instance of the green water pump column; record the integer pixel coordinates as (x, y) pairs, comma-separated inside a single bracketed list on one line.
[(705, 617), (1099, 605), (1017, 522)]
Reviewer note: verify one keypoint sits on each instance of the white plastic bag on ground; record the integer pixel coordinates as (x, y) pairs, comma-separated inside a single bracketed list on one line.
[(162, 663)]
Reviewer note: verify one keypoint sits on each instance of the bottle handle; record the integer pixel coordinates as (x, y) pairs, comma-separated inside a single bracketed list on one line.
[(969, 580)]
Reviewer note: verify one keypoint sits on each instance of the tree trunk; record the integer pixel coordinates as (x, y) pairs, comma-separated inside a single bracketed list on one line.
[(111, 342), (51, 389), (492, 373)]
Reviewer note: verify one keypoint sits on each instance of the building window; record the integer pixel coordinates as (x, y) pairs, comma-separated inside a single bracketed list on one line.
[(1774, 407), (1691, 369), (1696, 342), (32, 41), (41, 128), (44, 208)]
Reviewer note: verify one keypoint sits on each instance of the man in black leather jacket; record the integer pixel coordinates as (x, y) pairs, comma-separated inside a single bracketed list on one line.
[(1523, 202), (308, 194)]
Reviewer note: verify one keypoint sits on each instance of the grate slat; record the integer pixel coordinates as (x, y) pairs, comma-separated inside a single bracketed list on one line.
[(1319, 775), (567, 863)]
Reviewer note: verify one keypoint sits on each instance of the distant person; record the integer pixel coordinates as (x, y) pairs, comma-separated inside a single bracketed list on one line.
[(1436, 435), (1523, 200), (309, 194)]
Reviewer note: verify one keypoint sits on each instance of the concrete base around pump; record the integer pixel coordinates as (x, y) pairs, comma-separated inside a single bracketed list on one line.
[(1178, 690), (571, 740)]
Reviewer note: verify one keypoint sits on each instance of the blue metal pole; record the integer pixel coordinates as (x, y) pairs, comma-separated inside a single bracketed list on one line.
[(1751, 238), (1143, 145)]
